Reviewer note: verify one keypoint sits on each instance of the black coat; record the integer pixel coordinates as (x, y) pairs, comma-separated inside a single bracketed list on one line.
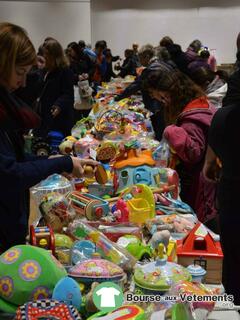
[(57, 90), (19, 171)]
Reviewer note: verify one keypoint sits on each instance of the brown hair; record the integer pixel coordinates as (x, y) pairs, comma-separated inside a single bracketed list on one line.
[(55, 51), (179, 86), (16, 49), (165, 41)]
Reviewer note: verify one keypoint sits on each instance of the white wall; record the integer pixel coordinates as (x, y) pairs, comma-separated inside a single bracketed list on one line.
[(122, 22), (64, 20)]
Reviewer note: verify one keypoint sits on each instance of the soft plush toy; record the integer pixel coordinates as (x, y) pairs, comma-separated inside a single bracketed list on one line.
[(160, 237)]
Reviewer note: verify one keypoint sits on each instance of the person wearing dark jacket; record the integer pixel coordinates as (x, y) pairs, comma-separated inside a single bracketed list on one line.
[(56, 97), (80, 62), (233, 91), (146, 53), (109, 60), (223, 145), (129, 65), (177, 55), (19, 171)]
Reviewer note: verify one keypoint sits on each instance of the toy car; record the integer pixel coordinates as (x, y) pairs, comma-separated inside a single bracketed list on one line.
[(134, 246)]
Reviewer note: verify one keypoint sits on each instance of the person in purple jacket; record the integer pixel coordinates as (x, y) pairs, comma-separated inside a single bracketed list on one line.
[(20, 171), (188, 115)]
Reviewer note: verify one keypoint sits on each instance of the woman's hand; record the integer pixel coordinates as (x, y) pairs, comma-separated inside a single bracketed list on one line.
[(55, 111), (79, 166), (211, 169)]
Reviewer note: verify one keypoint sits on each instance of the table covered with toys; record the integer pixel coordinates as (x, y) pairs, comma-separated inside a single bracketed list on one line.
[(124, 224)]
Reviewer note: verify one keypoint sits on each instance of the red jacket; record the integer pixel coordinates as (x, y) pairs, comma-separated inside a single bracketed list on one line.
[(189, 139)]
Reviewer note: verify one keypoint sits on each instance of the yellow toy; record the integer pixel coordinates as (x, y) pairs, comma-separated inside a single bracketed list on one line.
[(136, 204)]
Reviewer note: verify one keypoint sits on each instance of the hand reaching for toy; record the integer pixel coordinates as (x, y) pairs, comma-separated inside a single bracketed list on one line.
[(81, 167)]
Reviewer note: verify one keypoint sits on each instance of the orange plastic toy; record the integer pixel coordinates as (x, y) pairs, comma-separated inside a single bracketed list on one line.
[(199, 247)]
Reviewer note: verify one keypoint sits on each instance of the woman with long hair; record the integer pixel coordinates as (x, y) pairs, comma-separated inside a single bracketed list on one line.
[(188, 115), (56, 97), (20, 171)]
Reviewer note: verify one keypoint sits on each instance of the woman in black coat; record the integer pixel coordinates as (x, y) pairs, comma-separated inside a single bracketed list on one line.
[(224, 143), (20, 171), (56, 96)]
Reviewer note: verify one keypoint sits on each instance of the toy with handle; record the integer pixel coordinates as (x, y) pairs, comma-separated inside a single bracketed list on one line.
[(157, 190)]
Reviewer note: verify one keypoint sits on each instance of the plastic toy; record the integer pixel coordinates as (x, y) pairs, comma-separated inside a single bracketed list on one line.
[(82, 127), (135, 246), (82, 250), (136, 205), (54, 209), (157, 277), (40, 147), (114, 231), (101, 190), (198, 247), (134, 167), (54, 183), (106, 152), (109, 121), (66, 146), (128, 312), (197, 272), (82, 147), (42, 237), (55, 138), (179, 311), (190, 288), (93, 208), (63, 243), (107, 249), (101, 175), (68, 291), (160, 237), (47, 309), (96, 270), (27, 273)]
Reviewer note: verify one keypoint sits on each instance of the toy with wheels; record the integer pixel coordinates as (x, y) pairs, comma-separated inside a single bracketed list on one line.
[(136, 205), (128, 312), (40, 147), (42, 237), (93, 208)]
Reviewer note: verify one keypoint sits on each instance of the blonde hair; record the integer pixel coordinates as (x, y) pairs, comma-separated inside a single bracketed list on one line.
[(55, 51), (16, 49)]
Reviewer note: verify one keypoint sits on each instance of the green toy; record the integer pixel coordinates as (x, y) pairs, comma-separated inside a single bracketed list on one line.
[(27, 273), (179, 311), (134, 246)]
